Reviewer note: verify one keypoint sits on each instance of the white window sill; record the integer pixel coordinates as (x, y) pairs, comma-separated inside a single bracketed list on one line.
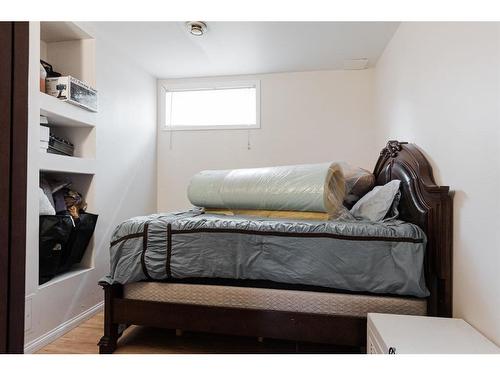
[(215, 127)]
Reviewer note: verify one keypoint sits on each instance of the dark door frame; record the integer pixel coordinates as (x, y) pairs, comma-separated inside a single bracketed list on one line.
[(14, 60)]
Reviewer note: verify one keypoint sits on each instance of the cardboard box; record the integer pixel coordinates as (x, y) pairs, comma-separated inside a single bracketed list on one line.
[(72, 90)]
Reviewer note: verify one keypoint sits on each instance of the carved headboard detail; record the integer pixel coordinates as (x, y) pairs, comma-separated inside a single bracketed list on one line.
[(431, 208)]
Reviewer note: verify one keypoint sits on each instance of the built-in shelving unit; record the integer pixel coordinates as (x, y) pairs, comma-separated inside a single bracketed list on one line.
[(71, 51)]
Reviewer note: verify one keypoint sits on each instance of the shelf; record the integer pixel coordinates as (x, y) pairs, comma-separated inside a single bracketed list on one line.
[(77, 270), (51, 32), (62, 113), (68, 164)]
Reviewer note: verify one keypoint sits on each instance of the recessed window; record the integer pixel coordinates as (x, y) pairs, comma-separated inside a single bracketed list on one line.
[(227, 105)]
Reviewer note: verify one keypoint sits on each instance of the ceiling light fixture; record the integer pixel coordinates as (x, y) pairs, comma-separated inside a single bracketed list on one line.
[(196, 28)]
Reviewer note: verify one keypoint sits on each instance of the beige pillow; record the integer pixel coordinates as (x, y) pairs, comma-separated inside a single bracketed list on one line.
[(375, 205)]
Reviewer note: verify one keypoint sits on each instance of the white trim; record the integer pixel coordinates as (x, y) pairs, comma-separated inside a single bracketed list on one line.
[(211, 127), (219, 84), (208, 84), (61, 329)]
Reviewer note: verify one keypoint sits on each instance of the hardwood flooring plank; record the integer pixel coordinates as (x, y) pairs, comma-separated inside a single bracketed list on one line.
[(145, 340)]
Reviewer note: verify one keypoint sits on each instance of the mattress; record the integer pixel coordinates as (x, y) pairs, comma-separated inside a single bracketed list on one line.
[(274, 299), (301, 215), (385, 258), (307, 187)]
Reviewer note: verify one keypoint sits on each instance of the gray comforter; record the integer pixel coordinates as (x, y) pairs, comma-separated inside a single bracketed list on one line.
[(345, 254)]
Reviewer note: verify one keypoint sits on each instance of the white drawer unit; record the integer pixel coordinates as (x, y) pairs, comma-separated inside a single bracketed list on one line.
[(406, 334)]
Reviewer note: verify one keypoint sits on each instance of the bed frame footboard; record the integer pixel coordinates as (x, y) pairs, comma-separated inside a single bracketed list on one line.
[(285, 325)]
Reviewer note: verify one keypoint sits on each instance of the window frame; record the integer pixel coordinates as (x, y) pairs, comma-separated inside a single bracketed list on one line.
[(172, 86)]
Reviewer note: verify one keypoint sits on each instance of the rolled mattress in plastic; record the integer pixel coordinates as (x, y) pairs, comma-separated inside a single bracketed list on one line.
[(310, 187)]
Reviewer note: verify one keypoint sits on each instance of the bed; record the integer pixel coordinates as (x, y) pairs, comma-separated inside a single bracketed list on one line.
[(173, 288)]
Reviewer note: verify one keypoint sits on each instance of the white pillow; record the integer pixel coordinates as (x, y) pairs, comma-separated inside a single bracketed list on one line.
[(45, 207), (375, 204)]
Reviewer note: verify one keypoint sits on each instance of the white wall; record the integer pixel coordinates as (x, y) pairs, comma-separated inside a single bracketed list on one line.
[(125, 182), (438, 85), (306, 117)]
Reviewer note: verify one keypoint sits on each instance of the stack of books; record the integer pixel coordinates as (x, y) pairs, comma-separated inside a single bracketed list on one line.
[(44, 134)]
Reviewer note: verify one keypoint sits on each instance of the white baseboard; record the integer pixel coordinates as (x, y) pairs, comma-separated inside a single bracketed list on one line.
[(60, 330)]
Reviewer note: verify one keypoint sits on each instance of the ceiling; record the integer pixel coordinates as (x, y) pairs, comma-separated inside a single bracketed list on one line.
[(167, 50)]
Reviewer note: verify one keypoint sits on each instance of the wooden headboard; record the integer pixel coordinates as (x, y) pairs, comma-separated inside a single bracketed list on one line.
[(431, 208)]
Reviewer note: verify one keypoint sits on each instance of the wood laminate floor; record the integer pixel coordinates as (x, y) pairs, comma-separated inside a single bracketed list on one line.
[(83, 340)]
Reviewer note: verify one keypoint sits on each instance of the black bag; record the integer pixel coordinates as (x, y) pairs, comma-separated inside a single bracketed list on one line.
[(78, 241), (55, 231), (63, 242), (48, 68)]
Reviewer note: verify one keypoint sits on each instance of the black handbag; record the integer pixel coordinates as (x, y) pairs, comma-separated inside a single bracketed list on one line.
[(48, 68), (55, 231), (63, 242), (78, 241)]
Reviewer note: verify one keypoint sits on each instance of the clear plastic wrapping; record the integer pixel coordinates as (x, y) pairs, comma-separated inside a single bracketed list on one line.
[(311, 187), (358, 182), (326, 187)]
